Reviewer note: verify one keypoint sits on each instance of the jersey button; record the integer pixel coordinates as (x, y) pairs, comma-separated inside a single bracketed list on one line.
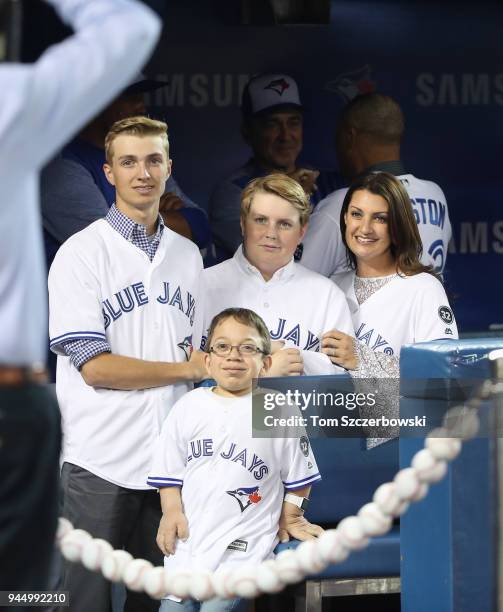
[(266, 304)]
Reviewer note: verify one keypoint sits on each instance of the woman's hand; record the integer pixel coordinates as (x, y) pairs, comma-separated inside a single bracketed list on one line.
[(340, 348)]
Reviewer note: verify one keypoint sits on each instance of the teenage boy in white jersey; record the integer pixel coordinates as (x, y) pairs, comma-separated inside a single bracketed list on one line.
[(122, 297), (222, 491)]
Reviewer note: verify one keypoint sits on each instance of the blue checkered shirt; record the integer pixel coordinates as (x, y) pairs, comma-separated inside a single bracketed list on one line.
[(81, 351)]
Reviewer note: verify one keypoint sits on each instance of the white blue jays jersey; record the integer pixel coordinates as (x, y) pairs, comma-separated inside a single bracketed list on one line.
[(103, 287), (232, 484), (324, 251), (406, 310), (297, 305)]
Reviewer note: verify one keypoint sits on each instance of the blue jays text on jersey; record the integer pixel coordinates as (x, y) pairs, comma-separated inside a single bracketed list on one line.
[(288, 333), (242, 456), (373, 339), (134, 296)]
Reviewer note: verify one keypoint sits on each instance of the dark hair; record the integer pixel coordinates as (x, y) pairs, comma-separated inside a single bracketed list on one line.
[(246, 317), (406, 246), (375, 114)]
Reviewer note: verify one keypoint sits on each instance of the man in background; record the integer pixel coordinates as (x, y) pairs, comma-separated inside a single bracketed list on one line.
[(272, 126), (75, 191), (368, 137)]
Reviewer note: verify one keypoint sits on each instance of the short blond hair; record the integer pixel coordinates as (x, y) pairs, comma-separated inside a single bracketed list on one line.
[(281, 185), (136, 126)]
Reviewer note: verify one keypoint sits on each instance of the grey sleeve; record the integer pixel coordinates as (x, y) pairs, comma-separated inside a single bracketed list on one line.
[(70, 199)]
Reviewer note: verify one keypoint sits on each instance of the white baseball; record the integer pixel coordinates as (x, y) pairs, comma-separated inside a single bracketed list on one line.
[(309, 557), (462, 422), (288, 568), (133, 573), (64, 527), (441, 446), (179, 583), (72, 543), (221, 584), (352, 534), (200, 586), (113, 564), (154, 582), (94, 552), (388, 500), (267, 578), (429, 469), (331, 548), (407, 483), (244, 581), (374, 521)]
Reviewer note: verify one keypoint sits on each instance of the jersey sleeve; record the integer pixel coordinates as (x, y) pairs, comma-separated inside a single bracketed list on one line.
[(170, 454), (433, 318), (198, 330), (299, 467), (75, 308), (323, 249)]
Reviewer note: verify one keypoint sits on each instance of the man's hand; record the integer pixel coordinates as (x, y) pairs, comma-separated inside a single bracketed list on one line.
[(293, 524), (306, 178), (169, 205), (173, 526), (170, 202), (340, 348), (286, 362), (197, 365)]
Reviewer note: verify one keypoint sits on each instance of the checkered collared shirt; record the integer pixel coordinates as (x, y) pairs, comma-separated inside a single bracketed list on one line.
[(81, 351)]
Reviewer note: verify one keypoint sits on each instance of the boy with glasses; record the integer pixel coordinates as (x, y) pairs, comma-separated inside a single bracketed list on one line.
[(222, 491)]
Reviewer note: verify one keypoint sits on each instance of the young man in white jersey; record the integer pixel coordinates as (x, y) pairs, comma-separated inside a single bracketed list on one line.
[(122, 298), (368, 139), (222, 491)]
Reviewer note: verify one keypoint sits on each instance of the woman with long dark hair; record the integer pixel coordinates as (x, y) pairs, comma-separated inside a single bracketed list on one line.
[(394, 299)]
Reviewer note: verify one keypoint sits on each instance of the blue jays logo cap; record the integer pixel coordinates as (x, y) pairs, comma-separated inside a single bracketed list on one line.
[(141, 84), (267, 92)]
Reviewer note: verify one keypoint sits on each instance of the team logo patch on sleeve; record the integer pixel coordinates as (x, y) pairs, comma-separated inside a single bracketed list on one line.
[(304, 445), (245, 496), (445, 314)]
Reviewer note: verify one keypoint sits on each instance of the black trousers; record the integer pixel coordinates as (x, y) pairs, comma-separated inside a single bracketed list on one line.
[(30, 440), (126, 518)]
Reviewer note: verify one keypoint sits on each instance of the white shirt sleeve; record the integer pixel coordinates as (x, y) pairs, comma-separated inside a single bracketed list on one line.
[(323, 249), (299, 467), (337, 316), (432, 316), (52, 98), (75, 308), (170, 454)]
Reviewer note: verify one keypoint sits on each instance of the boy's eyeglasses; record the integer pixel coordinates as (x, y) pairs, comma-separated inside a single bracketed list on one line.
[(223, 348)]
